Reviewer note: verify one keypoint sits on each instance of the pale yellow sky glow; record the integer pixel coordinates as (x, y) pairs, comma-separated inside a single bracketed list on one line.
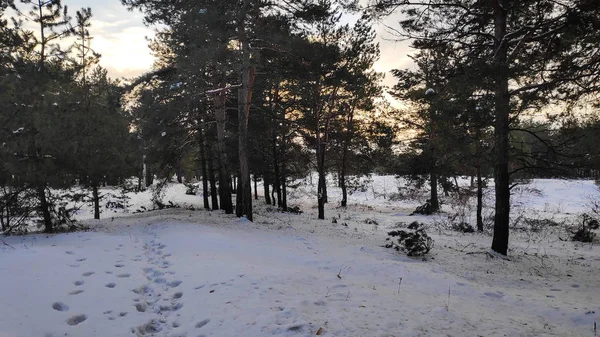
[(121, 38)]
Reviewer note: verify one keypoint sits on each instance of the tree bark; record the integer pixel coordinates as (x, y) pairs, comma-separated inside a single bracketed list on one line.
[(479, 200), (283, 184), (266, 188), (277, 177), (255, 178), (347, 139), (204, 170), (96, 197), (244, 98), (501, 131), (214, 197), (433, 198), (321, 190), (224, 173), (45, 209)]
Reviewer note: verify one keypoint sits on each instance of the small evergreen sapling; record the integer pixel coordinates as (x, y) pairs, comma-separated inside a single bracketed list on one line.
[(414, 241)]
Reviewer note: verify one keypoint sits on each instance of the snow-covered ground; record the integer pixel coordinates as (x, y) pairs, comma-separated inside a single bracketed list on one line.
[(192, 273)]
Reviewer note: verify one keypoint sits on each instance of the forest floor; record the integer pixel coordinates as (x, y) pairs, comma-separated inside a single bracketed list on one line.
[(192, 273)]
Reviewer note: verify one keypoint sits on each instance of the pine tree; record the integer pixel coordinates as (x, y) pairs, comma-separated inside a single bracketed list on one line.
[(535, 52)]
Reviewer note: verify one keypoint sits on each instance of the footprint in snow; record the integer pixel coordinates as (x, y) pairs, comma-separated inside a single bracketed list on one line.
[(175, 284), (145, 289), (110, 285), (119, 265), (76, 319), (574, 285), (140, 307), (60, 306), (78, 283), (177, 295), (173, 307), (89, 273), (76, 292), (68, 252), (81, 260), (496, 295), (124, 275), (202, 323)]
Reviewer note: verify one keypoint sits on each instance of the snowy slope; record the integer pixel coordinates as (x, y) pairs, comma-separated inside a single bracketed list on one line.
[(198, 273)]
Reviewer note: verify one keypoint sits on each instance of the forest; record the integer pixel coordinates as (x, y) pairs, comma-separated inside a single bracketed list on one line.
[(261, 164), (271, 91)]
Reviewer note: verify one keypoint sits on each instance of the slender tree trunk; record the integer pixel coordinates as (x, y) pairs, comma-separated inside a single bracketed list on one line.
[(144, 172), (277, 177), (179, 174), (211, 176), (273, 198), (255, 178), (224, 172), (205, 191), (433, 198), (347, 139), (96, 197), (501, 131), (321, 190), (244, 99), (214, 194), (45, 209), (149, 178), (283, 184), (266, 188), (479, 200), (342, 177)]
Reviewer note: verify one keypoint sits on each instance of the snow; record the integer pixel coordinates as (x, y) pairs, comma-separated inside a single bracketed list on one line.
[(183, 272), (18, 131)]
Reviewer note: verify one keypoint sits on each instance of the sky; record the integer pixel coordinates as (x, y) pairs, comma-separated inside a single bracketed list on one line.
[(122, 39)]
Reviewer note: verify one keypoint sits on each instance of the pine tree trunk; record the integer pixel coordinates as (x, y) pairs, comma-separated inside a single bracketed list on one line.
[(96, 197), (342, 177), (144, 173), (273, 199), (321, 189), (45, 209), (501, 131), (255, 178), (224, 173), (284, 205), (211, 177), (179, 175), (205, 191), (266, 188), (433, 198), (277, 178), (244, 99), (149, 178), (479, 200)]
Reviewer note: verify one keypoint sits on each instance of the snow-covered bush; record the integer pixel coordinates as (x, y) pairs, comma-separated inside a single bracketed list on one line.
[(584, 233), (191, 189), (358, 184), (425, 209), (413, 241)]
